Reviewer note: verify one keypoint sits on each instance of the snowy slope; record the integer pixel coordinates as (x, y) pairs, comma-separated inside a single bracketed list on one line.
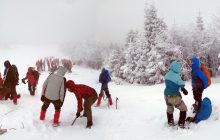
[(141, 114)]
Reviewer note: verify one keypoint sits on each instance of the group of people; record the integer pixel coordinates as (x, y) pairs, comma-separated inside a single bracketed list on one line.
[(55, 86), (201, 79), (52, 64), (54, 91)]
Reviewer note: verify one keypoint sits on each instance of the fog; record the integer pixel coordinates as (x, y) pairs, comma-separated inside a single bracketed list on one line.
[(31, 29)]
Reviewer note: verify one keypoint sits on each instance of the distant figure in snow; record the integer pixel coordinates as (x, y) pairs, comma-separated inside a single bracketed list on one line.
[(32, 77), (104, 79), (53, 91), (204, 112), (172, 94), (88, 94)]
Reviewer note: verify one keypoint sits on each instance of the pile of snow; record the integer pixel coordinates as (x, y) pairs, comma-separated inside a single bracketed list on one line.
[(141, 114)]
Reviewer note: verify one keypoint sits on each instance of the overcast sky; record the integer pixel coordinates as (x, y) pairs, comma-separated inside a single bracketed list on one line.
[(42, 22)]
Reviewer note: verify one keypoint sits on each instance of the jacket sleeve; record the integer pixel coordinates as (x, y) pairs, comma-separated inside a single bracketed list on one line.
[(62, 91), (79, 101), (203, 77), (180, 82), (45, 86)]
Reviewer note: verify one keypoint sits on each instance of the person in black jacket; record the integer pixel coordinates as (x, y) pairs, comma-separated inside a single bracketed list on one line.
[(104, 79)]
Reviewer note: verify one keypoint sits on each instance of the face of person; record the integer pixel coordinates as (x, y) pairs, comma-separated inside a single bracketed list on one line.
[(190, 62)]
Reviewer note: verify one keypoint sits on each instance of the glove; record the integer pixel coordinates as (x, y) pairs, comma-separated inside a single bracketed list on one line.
[(185, 92), (42, 98), (77, 114), (190, 119), (60, 103), (23, 81)]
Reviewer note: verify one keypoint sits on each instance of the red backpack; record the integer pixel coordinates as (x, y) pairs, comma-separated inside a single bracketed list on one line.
[(207, 74)]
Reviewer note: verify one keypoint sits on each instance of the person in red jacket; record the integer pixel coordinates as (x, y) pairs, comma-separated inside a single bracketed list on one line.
[(32, 80), (88, 94)]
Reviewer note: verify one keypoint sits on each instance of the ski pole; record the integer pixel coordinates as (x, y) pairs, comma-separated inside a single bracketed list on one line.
[(74, 121), (116, 103)]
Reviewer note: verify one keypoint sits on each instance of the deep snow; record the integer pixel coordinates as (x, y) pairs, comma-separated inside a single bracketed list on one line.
[(141, 114)]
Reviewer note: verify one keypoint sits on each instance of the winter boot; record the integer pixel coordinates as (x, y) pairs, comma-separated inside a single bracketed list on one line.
[(170, 119), (99, 100), (42, 114), (182, 119), (56, 117), (110, 101), (15, 99)]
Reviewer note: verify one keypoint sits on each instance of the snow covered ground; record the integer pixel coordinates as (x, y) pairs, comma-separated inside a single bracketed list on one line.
[(141, 114)]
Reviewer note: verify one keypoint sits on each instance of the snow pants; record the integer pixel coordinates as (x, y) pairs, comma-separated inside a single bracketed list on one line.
[(8, 92), (174, 101), (104, 89), (31, 89), (197, 95), (46, 104), (87, 106)]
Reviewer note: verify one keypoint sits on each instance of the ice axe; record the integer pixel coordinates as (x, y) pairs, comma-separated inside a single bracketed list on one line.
[(73, 121)]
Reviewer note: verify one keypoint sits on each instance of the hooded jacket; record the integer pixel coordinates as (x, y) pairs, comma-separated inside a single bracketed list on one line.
[(173, 80), (204, 111), (199, 79), (104, 77), (54, 86), (81, 92)]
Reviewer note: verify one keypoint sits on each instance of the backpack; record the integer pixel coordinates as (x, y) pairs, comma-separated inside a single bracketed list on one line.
[(36, 75), (15, 73), (207, 74)]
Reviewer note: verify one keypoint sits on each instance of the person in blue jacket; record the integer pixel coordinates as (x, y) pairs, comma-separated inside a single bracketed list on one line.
[(104, 79), (199, 81), (204, 112), (172, 94)]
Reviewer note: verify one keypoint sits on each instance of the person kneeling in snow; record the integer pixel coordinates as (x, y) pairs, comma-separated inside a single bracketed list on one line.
[(88, 94), (172, 95), (204, 112), (54, 89)]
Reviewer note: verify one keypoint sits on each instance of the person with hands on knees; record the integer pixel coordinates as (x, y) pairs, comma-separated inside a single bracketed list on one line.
[(54, 90), (88, 94), (173, 98)]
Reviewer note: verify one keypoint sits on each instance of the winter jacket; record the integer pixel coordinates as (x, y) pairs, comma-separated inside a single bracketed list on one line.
[(104, 77), (30, 77), (1, 80), (10, 77), (204, 111), (199, 79), (54, 86), (81, 92), (173, 80)]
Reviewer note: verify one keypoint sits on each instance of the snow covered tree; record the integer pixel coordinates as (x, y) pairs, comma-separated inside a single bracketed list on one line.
[(153, 25), (200, 24), (115, 62)]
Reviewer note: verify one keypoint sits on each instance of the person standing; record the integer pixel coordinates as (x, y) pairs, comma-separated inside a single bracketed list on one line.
[(53, 91)]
